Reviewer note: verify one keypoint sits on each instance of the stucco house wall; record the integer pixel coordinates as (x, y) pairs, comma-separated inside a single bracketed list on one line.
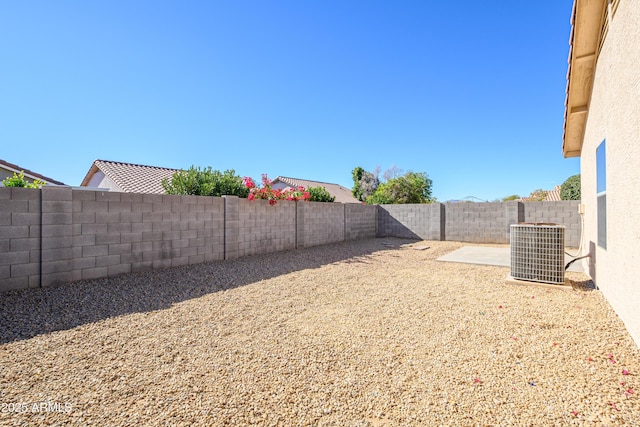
[(100, 180), (614, 116)]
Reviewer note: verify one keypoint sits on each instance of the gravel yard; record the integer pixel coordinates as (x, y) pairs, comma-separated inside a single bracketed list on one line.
[(366, 333)]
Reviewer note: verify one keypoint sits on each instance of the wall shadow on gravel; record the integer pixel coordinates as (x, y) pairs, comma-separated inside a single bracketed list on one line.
[(30, 312)]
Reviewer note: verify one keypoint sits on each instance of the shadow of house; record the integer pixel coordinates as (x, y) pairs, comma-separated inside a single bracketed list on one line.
[(28, 313)]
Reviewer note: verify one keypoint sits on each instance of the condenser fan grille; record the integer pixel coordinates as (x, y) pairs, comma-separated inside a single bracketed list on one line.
[(537, 252)]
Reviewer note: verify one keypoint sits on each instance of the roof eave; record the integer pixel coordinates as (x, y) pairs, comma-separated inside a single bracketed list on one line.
[(586, 27)]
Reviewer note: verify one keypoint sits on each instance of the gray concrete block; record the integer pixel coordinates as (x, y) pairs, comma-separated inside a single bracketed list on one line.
[(196, 259), (162, 207), (179, 226), (119, 248), (177, 262), (141, 247), (162, 226), (82, 195), (119, 207), (50, 193), (188, 234), (57, 206), (152, 236), (98, 250), (119, 228), (188, 216), (57, 218), (107, 239), (5, 218), (152, 198), (94, 206), (114, 270), (131, 258), (19, 270), (108, 196), (14, 231), (141, 266), (95, 273), (171, 217), (83, 263), (105, 261), (56, 242), (15, 258), (10, 206), (130, 237), (188, 251), (84, 240), (56, 254), (170, 235), (131, 198), (14, 283), (216, 255), (132, 217), (84, 217), (57, 266), (107, 217), (141, 227), (94, 228), (5, 271), (153, 217), (161, 264), (152, 255), (142, 207)]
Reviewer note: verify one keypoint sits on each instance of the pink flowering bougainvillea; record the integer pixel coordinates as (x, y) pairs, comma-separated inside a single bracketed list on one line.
[(267, 192)]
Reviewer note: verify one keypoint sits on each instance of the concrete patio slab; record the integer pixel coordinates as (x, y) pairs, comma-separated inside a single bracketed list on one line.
[(487, 255)]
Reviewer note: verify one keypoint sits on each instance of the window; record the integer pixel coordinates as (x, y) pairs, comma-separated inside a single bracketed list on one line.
[(601, 193)]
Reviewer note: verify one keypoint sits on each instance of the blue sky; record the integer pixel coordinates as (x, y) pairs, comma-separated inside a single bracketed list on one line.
[(470, 92)]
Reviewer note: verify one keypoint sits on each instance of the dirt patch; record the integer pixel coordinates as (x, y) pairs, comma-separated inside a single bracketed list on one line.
[(363, 333)]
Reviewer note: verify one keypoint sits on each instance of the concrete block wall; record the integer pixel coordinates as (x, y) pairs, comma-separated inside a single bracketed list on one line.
[(319, 223), (264, 228), (116, 233), (563, 212), (20, 216), (476, 222), (412, 221), (360, 221), (58, 234)]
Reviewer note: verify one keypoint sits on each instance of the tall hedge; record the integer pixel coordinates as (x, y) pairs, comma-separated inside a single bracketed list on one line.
[(570, 189)]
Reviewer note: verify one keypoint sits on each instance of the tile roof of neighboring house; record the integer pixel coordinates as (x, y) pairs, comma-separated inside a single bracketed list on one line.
[(342, 194), (131, 178), (28, 173), (552, 195)]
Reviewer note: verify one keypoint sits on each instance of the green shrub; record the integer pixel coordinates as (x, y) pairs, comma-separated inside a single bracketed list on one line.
[(571, 189), (412, 187), (19, 181), (320, 194), (205, 182)]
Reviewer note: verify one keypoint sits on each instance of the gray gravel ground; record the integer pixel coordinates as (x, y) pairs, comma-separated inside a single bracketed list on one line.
[(367, 333)]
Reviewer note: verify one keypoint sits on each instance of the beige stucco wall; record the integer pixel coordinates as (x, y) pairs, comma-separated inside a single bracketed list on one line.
[(614, 115), (100, 180)]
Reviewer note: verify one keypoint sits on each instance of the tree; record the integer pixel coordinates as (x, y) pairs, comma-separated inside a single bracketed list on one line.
[(412, 187), (510, 198), (538, 195), (571, 188), (205, 182), (320, 194), (364, 183)]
